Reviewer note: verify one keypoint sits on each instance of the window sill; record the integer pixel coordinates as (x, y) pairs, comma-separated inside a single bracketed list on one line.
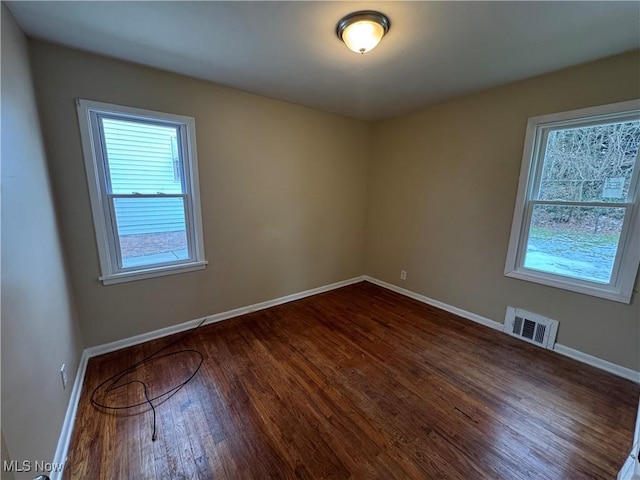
[(560, 282), (152, 272)]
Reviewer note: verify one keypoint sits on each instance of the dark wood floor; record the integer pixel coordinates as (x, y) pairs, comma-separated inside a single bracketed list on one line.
[(357, 383)]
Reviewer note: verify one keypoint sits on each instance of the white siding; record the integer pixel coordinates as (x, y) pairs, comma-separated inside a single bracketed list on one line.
[(149, 215)]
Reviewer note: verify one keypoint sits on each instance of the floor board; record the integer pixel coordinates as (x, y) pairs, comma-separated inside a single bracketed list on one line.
[(357, 383)]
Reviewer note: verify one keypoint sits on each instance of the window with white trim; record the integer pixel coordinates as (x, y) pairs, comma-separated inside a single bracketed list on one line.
[(142, 174), (576, 222)]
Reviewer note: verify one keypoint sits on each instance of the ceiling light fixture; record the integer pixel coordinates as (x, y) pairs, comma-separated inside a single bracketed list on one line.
[(362, 31)]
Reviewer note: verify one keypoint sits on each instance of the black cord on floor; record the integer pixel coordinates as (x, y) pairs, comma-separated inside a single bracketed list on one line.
[(112, 382)]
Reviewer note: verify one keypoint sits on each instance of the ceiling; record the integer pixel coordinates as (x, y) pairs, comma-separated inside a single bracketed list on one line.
[(289, 50)]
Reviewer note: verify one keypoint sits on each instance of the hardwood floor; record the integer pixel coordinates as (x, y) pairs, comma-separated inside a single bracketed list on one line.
[(357, 383)]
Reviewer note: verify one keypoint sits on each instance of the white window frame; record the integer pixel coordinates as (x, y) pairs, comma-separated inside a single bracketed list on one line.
[(627, 260), (96, 166)]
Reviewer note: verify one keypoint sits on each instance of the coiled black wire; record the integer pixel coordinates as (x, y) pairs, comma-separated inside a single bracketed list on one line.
[(115, 379)]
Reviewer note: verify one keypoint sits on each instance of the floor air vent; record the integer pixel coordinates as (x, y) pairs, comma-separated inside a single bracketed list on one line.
[(531, 327)]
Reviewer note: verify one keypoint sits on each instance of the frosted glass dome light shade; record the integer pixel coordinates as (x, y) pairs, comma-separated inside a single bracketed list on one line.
[(362, 36), (362, 31)]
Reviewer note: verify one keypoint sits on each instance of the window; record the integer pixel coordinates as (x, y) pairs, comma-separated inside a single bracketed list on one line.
[(575, 224), (143, 183)]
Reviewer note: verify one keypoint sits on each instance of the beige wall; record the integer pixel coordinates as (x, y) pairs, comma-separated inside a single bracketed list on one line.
[(39, 327), (443, 183), (283, 192)]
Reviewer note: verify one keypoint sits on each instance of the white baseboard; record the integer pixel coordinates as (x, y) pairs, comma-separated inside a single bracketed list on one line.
[(619, 370), (62, 449), (218, 317), (438, 304)]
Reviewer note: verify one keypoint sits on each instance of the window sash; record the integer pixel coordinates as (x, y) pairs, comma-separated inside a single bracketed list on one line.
[(97, 118), (533, 191), (103, 199), (117, 264), (623, 276), (538, 155), (563, 203), (620, 250)]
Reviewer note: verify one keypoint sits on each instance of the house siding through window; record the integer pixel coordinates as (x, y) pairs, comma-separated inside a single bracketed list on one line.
[(142, 159)]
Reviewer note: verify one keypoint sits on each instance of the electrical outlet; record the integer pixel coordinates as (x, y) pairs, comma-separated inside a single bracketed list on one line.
[(403, 275), (63, 374)]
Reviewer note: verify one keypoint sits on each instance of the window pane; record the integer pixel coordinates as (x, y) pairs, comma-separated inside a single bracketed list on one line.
[(590, 164), (151, 230), (577, 242), (142, 157)]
